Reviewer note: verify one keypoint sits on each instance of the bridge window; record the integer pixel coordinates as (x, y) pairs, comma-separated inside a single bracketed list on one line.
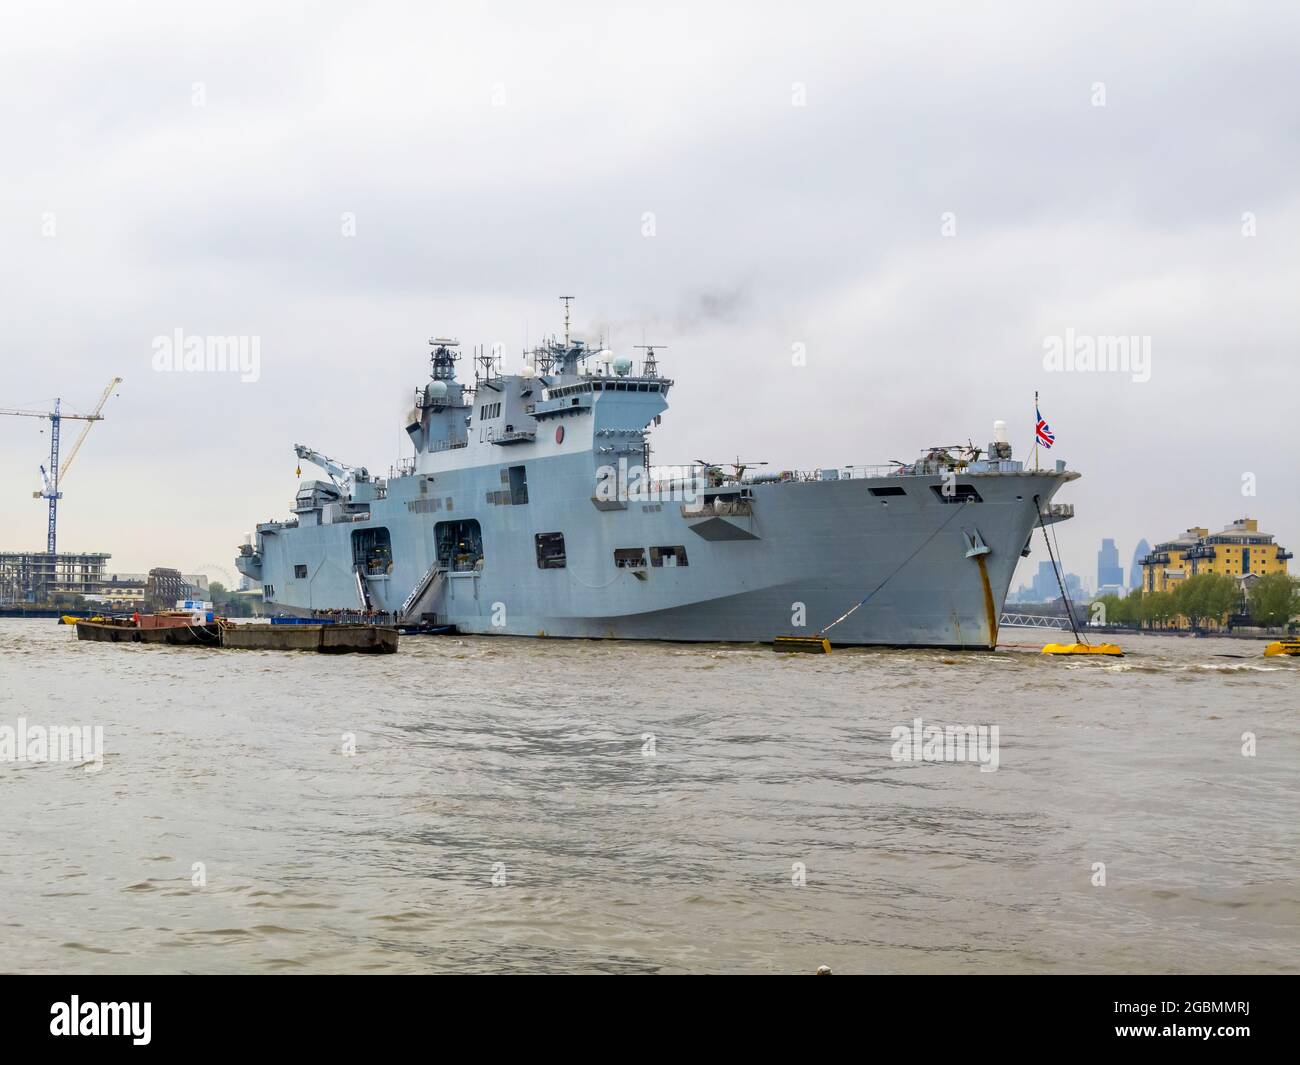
[(300, 571), (668, 556), (550, 550), (629, 557)]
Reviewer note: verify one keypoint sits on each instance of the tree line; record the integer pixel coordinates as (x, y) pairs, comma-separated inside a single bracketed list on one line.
[(1206, 600)]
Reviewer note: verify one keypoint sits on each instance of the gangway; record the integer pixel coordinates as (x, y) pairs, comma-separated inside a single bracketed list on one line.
[(422, 587), (363, 590)]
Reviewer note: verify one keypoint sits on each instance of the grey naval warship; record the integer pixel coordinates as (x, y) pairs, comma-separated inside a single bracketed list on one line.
[(531, 508)]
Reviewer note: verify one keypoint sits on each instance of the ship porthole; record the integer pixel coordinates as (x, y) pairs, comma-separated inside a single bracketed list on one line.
[(559, 434)]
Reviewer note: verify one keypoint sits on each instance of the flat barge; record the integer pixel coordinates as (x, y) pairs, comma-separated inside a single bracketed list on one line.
[(325, 639), (185, 630)]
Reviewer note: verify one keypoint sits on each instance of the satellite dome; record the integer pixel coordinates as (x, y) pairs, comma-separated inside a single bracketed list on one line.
[(435, 390), (622, 366)]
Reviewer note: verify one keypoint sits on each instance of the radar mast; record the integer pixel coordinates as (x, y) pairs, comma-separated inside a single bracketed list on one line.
[(444, 358), (650, 368)]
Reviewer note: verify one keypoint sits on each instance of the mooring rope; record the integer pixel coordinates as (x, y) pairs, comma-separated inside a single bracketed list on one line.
[(1060, 583), (960, 507), (202, 633)]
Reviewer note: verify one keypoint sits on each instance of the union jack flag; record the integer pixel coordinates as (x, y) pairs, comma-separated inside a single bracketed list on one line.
[(1043, 432)]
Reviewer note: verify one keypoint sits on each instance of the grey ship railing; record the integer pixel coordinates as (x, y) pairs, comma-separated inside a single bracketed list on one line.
[(511, 436), (914, 469), (1055, 512), (719, 508), (447, 445), (865, 472)]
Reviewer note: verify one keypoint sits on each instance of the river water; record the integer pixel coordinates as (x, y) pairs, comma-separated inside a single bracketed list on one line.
[(549, 805)]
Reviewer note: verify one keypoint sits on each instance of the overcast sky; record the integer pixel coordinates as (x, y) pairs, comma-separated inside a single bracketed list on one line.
[(920, 194)]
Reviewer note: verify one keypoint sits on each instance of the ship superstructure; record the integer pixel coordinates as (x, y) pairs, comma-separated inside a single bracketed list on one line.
[(531, 507)]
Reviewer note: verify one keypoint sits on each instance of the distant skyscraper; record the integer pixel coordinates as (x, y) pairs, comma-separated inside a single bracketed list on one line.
[(1045, 587), (1135, 570), (1109, 573)]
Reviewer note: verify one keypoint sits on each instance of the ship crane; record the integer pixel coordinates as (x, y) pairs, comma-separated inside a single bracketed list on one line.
[(341, 474), (52, 478)]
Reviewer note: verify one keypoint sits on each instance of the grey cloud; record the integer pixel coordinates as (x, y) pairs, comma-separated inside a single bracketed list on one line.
[(775, 225)]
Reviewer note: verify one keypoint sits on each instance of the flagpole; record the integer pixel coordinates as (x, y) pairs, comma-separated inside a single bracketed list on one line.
[(1035, 431)]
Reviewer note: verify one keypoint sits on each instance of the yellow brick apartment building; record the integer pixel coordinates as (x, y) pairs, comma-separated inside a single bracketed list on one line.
[(1239, 551)]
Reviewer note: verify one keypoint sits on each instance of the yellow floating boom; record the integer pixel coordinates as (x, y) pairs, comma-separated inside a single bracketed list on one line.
[(1083, 649)]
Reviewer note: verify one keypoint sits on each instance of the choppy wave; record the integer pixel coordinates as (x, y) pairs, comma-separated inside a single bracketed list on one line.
[(523, 805)]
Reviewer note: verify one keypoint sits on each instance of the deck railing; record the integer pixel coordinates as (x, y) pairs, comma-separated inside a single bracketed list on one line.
[(447, 445), (719, 508), (920, 468)]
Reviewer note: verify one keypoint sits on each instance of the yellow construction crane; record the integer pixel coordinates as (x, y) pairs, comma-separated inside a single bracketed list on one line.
[(57, 472)]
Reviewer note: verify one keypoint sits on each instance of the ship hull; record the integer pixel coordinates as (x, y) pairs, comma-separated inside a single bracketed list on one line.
[(792, 559)]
